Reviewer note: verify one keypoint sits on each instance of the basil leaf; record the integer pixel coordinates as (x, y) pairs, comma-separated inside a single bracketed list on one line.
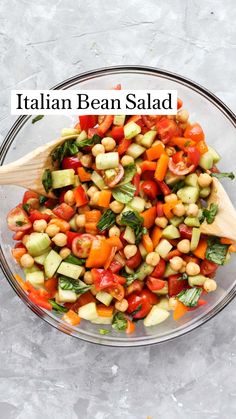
[(42, 199), (26, 207), (67, 149), (210, 213), (88, 142), (137, 310), (58, 307), (190, 296), (124, 194), (180, 184), (47, 180), (74, 260), (230, 175), (37, 118), (104, 331), (130, 171), (107, 220), (216, 251), (66, 283), (119, 322), (20, 223), (134, 221)]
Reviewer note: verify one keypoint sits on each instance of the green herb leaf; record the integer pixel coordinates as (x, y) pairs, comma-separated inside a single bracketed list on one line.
[(124, 194), (107, 220), (58, 307), (130, 278), (216, 251), (184, 277), (190, 296), (26, 207), (130, 171), (47, 180), (180, 184), (20, 223), (74, 260), (230, 175), (119, 322), (210, 213), (104, 331), (134, 221), (67, 149), (88, 142), (37, 118), (42, 199), (66, 283)]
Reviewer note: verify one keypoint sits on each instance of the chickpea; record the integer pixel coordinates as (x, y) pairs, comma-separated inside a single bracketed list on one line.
[(48, 212), (93, 290), (171, 197), (139, 170), (88, 278), (86, 160), (108, 143), (179, 210), (192, 210), (116, 207), (25, 238), (147, 205), (184, 246), (98, 149), (170, 151), (122, 305), (60, 239), (130, 250), (161, 222), (91, 191), (153, 258), (192, 269), (157, 142), (26, 261), (40, 226), (182, 116), (176, 263), (94, 199), (127, 160), (80, 220), (79, 155), (210, 285), (64, 252), (183, 269), (138, 139), (52, 230), (114, 232), (172, 303), (204, 180), (69, 198)]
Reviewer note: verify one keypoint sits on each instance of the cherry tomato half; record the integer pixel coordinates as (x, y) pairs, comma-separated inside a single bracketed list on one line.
[(117, 291), (150, 188), (194, 132), (159, 269), (208, 267), (18, 220), (71, 163), (116, 179), (176, 284), (139, 306), (64, 211), (155, 284), (32, 199), (135, 261), (81, 245), (185, 231)]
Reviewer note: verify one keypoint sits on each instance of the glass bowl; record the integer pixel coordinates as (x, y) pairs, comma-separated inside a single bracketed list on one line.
[(219, 125)]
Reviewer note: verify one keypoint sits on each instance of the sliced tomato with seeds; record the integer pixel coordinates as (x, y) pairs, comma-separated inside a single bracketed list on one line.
[(136, 286), (139, 306), (208, 267), (117, 291), (155, 284), (64, 211), (31, 198), (81, 245), (18, 220), (134, 261), (117, 177), (37, 215), (176, 284)]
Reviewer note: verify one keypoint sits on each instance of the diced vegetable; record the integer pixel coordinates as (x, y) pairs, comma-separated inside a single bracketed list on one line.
[(157, 315), (61, 178), (38, 243), (107, 161)]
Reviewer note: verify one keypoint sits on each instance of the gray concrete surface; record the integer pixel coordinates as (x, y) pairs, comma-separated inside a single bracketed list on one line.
[(43, 373)]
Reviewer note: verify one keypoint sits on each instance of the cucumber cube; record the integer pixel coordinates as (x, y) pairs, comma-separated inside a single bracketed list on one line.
[(88, 312), (192, 180), (143, 271), (206, 161), (106, 161), (36, 279), (155, 316), (65, 132), (171, 232), (192, 222), (70, 270), (129, 235), (61, 178), (135, 150), (196, 280), (73, 224), (188, 194), (205, 192), (98, 180), (169, 271), (163, 248), (171, 179), (119, 120), (215, 155), (196, 233), (38, 243), (51, 263), (137, 204), (176, 221), (41, 259), (104, 297), (66, 296), (148, 138), (163, 303), (131, 130)]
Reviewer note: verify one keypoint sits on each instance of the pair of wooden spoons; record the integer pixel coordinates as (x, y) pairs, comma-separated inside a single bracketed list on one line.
[(28, 170)]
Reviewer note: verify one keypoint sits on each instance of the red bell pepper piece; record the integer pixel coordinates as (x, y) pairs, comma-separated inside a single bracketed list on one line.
[(105, 125), (80, 196), (123, 146), (70, 237), (87, 121), (176, 285), (37, 215), (71, 163), (64, 211), (164, 188), (136, 183), (117, 133)]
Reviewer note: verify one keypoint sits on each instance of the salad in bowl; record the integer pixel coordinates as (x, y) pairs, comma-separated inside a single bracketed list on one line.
[(121, 239)]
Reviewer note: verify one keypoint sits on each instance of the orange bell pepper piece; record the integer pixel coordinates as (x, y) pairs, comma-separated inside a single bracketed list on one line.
[(224, 240), (115, 242), (104, 199), (155, 152), (200, 251), (168, 207), (99, 253), (156, 235), (147, 243), (92, 216), (130, 327), (149, 217), (51, 285), (62, 224), (21, 282), (84, 176), (179, 311), (18, 252), (71, 317), (202, 147), (162, 166), (148, 165), (104, 311)]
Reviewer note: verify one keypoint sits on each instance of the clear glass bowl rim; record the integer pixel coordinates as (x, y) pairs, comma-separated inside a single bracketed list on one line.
[(84, 335)]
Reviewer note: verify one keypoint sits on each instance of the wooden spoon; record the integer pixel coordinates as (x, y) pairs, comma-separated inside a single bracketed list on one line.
[(28, 170), (224, 224)]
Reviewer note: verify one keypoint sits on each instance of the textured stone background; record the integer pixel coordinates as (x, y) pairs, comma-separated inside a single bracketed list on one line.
[(43, 373)]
